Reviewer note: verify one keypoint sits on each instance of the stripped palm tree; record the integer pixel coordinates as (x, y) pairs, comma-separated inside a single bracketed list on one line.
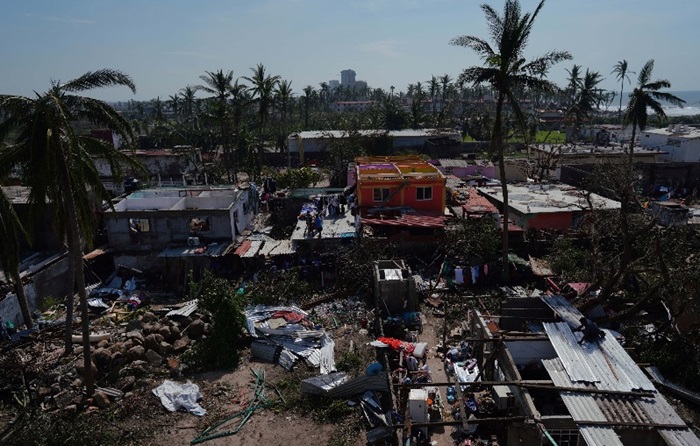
[(621, 72), (507, 71), (645, 96), (588, 97), (219, 84), (57, 164)]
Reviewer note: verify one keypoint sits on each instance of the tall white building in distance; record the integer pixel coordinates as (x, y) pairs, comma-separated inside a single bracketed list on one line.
[(347, 78)]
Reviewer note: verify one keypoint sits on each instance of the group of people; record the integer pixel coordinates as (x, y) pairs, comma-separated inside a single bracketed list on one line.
[(314, 221)]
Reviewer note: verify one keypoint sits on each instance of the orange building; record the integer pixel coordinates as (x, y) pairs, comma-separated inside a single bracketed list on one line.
[(397, 183)]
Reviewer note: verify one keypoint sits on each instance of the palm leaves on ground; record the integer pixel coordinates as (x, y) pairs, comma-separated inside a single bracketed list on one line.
[(507, 71), (10, 230), (57, 164), (646, 95)]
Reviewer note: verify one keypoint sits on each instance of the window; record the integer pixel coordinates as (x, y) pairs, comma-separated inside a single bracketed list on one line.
[(563, 437), (139, 225), (424, 193), (199, 224), (381, 194)]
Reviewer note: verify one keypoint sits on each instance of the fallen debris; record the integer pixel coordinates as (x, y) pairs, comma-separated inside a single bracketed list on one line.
[(175, 396)]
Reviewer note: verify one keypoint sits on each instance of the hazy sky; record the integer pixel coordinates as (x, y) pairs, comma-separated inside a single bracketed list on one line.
[(166, 44)]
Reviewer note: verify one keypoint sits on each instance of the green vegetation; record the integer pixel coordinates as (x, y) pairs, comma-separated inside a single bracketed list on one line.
[(219, 299)]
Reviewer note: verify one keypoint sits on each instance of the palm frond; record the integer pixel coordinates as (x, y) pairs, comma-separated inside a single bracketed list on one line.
[(645, 73), (99, 79)]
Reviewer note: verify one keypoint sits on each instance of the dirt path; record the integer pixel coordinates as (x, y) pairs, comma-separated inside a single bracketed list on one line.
[(432, 334)]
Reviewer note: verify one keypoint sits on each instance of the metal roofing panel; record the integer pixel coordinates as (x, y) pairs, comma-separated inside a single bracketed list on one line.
[(582, 407), (564, 309), (622, 362), (572, 355), (267, 247), (254, 248), (187, 309), (448, 162), (210, 250)]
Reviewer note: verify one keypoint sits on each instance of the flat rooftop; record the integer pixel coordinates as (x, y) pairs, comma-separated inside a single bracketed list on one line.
[(676, 131), (597, 150), (333, 228), (548, 198)]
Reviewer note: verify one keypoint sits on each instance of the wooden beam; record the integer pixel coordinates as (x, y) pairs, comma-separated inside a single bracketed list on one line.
[(631, 424), (459, 423), (521, 383)]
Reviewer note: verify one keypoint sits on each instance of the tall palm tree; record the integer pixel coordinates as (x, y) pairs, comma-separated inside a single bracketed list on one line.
[(506, 70), (56, 162), (219, 84), (10, 229), (308, 93), (434, 88), (173, 103), (283, 95), (621, 72), (189, 104), (263, 88), (646, 95), (588, 97), (574, 82)]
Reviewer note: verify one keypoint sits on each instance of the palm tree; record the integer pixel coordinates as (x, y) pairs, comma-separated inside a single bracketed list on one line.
[(506, 70), (574, 82), (189, 104), (219, 84), (588, 97), (434, 88), (263, 88), (173, 103), (283, 94), (621, 72), (308, 92), (57, 164), (646, 95), (10, 229)]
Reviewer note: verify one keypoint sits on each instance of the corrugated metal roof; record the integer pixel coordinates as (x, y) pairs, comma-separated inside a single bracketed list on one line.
[(267, 247), (564, 309), (422, 221), (255, 246), (582, 407), (605, 363), (573, 356), (660, 411)]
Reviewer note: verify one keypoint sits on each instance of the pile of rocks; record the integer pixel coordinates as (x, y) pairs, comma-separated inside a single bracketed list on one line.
[(138, 354)]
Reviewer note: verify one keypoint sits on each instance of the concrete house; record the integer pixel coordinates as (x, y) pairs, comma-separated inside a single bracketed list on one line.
[(552, 207), (680, 142), (192, 222)]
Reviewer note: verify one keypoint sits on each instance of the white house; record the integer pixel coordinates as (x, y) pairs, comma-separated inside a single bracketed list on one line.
[(680, 142)]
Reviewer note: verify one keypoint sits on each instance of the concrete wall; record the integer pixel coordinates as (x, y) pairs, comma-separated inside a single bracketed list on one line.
[(50, 280), (526, 352)]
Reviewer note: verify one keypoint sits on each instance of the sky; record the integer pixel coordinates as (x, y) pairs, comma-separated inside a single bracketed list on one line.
[(165, 45)]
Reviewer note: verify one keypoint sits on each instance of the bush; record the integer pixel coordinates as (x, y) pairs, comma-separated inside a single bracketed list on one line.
[(219, 298)]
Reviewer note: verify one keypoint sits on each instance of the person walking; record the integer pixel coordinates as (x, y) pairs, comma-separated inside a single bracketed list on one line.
[(319, 224)]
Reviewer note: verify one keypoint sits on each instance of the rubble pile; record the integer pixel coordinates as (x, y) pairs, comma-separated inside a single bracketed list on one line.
[(125, 357)]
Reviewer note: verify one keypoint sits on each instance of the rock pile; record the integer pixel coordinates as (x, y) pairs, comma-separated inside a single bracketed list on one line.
[(137, 354)]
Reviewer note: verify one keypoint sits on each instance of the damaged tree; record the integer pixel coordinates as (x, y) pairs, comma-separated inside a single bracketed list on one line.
[(56, 162)]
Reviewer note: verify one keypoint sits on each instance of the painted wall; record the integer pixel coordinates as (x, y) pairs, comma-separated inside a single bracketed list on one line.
[(559, 221), (406, 197)]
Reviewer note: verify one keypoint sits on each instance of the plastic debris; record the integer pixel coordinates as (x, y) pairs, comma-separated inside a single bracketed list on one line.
[(175, 396)]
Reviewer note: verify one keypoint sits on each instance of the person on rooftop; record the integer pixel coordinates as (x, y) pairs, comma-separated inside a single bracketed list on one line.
[(591, 332)]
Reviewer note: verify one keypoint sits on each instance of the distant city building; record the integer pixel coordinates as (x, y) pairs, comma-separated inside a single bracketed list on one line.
[(333, 84), (347, 78), (360, 85)]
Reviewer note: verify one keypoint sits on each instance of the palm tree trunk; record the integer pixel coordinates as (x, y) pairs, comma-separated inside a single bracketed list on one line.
[(634, 135), (76, 258), (21, 297), (70, 301), (619, 110), (497, 141)]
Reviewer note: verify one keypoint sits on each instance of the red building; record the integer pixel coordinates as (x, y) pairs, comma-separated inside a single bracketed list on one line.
[(399, 183)]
